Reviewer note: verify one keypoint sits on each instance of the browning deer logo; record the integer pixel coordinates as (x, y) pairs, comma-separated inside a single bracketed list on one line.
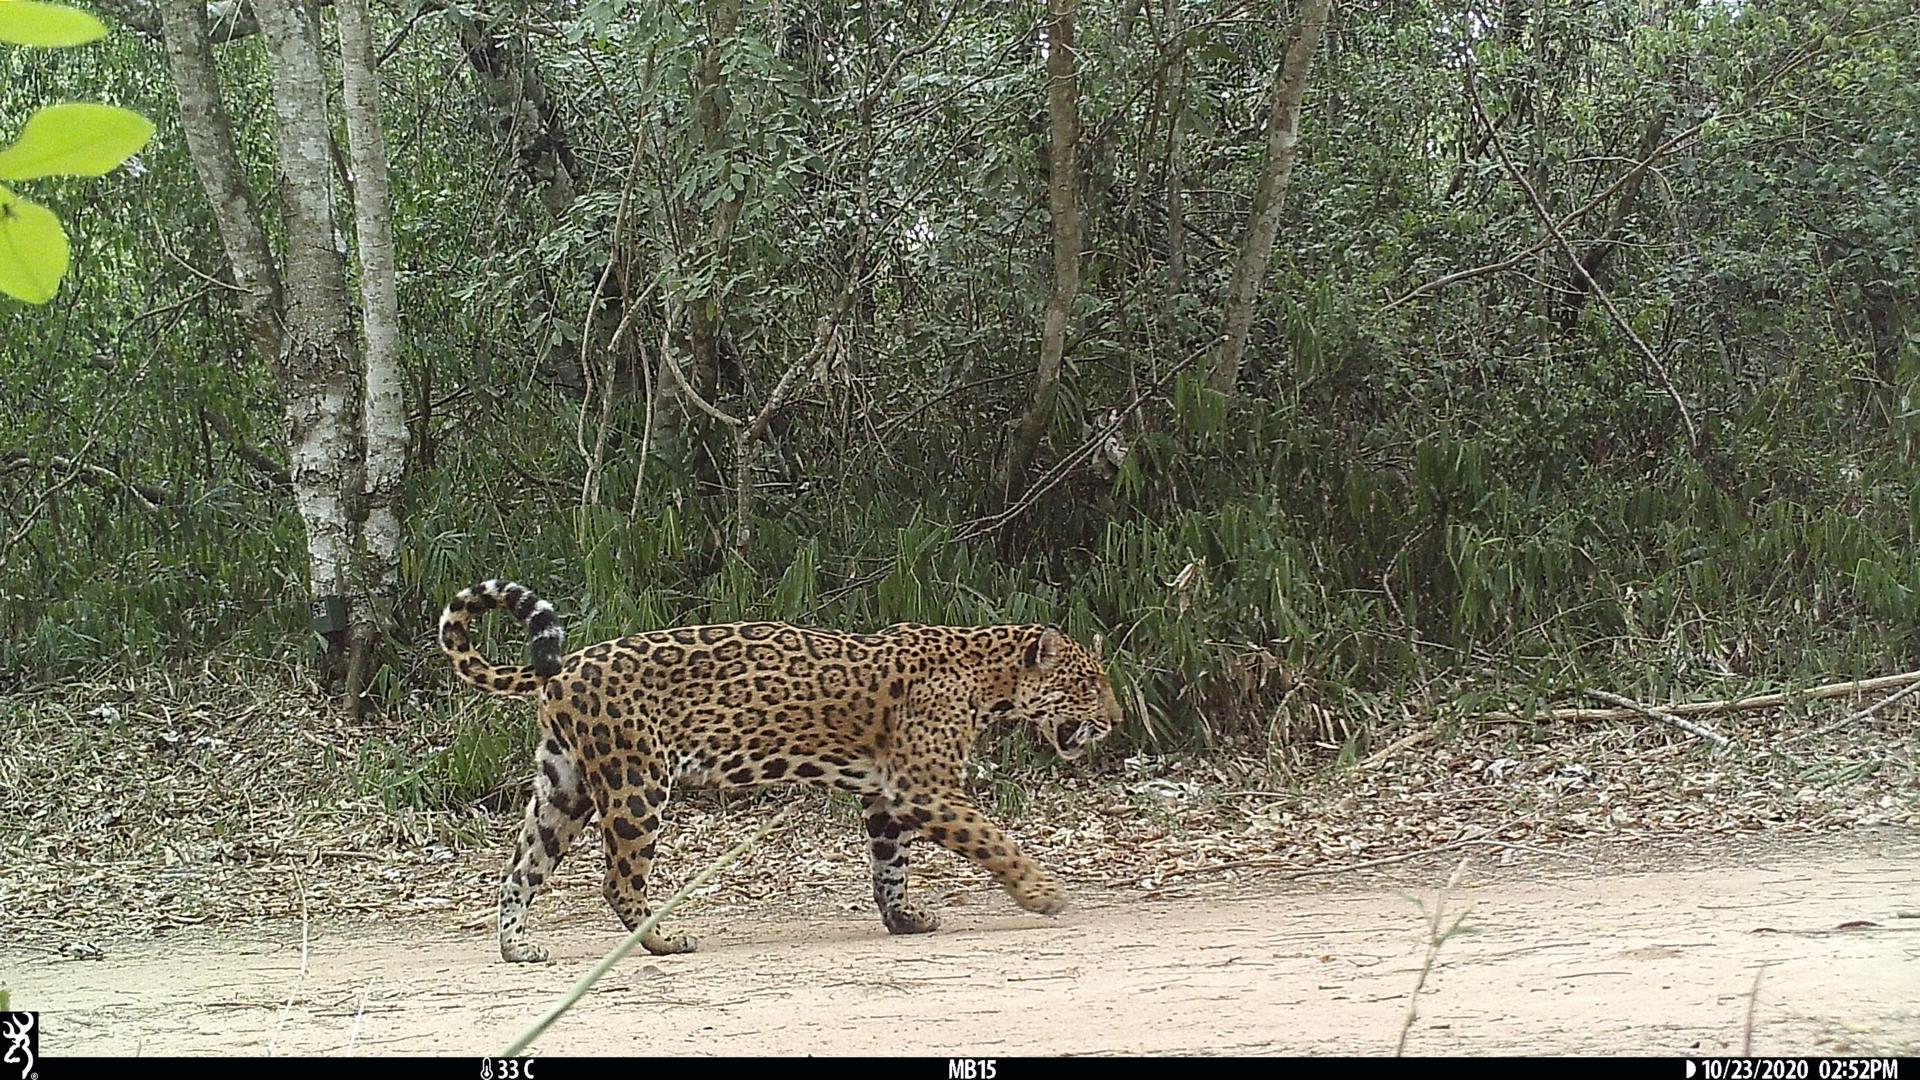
[(20, 1035)]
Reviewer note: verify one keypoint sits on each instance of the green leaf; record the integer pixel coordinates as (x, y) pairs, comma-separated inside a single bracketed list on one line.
[(49, 26), (75, 139), (33, 247)]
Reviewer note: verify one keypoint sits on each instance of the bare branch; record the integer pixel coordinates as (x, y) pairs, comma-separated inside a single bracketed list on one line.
[(32, 516), (1546, 218), (227, 20), (679, 377), (936, 399), (828, 324), (1704, 708), (1052, 478), (1765, 87), (150, 496), (261, 461)]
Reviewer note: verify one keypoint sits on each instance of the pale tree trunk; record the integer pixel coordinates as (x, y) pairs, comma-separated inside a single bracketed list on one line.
[(209, 131), (1543, 297), (1063, 204), (1283, 141), (319, 360), (383, 414)]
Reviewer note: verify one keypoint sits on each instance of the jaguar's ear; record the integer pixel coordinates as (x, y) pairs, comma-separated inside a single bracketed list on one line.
[(1044, 651)]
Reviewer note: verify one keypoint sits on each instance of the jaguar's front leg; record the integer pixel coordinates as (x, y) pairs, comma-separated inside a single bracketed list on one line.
[(950, 819)]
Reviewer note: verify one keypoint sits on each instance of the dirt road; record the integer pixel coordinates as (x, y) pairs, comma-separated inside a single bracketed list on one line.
[(1578, 959)]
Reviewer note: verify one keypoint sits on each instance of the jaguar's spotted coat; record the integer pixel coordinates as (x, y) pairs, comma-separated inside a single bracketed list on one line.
[(890, 717)]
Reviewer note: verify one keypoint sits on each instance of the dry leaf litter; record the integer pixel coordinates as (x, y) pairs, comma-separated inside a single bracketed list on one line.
[(139, 807)]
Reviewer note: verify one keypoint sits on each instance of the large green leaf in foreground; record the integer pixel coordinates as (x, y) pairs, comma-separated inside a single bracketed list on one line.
[(28, 22), (75, 139), (33, 249)]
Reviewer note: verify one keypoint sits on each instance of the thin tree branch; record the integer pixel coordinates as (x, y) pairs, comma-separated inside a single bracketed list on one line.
[(1855, 717), (825, 327), (227, 20), (31, 517), (1052, 477), (942, 396), (1546, 218), (1760, 92), (679, 377), (151, 497), (261, 461)]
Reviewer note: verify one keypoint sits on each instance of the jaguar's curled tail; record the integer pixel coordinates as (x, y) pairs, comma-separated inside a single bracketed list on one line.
[(545, 638)]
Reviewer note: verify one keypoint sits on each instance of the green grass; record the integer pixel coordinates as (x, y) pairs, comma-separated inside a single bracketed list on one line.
[(488, 749)]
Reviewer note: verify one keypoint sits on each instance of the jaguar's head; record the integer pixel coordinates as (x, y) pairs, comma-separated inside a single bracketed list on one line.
[(1064, 693)]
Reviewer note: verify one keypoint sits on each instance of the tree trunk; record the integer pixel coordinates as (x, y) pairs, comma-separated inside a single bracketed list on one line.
[(711, 104), (1176, 142), (523, 115), (1595, 257), (715, 113), (319, 359), (1546, 260), (383, 414), (1283, 140), (674, 435), (1063, 204), (209, 132)]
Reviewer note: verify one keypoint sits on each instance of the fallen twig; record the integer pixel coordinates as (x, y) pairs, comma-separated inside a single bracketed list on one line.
[(1691, 727), (1275, 860), (1510, 845), (1855, 717), (1704, 708), (1314, 871), (1395, 747)]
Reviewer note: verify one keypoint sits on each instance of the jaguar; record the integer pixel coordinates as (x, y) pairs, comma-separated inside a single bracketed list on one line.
[(890, 717)]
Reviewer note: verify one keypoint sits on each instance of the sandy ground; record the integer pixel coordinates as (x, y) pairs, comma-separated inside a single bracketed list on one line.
[(1564, 956)]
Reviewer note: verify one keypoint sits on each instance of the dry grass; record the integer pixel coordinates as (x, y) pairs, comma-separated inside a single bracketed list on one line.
[(148, 804)]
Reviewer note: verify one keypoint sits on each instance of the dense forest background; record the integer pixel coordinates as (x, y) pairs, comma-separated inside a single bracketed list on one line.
[(1582, 351)]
